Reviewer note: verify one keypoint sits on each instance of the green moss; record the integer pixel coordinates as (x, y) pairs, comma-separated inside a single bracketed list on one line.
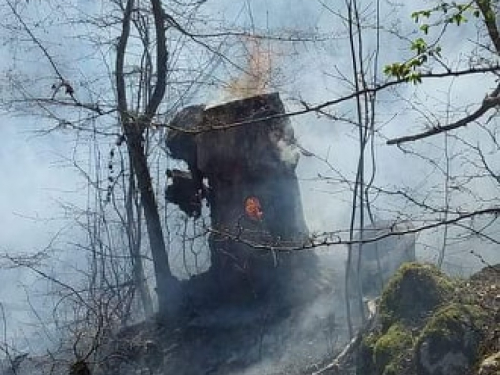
[(445, 312), (454, 321), (365, 363), (452, 328), (390, 350), (413, 293)]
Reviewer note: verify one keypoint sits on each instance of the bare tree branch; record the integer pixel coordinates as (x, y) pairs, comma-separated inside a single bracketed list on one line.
[(161, 59), (318, 108), (35, 40), (64, 83), (490, 102), (120, 60), (334, 238)]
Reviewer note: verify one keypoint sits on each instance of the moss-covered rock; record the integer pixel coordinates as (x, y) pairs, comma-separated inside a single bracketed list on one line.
[(365, 363), (391, 350), (428, 325), (450, 341), (414, 292), (385, 353)]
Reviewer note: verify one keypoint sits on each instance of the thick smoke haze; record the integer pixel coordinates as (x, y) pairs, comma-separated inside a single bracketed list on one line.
[(40, 182)]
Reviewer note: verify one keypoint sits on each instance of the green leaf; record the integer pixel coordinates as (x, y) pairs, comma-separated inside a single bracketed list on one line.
[(419, 45), (425, 28), (458, 19), (414, 63), (414, 78)]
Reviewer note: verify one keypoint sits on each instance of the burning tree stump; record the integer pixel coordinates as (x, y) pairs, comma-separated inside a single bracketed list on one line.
[(246, 152)]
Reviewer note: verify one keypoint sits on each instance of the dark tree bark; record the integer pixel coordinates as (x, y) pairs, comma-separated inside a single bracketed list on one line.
[(254, 199), (167, 286), (134, 239)]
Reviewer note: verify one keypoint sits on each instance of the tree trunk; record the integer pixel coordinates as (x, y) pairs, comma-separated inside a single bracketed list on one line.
[(167, 286), (134, 241)]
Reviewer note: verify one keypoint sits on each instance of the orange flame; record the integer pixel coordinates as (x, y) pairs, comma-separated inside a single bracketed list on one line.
[(257, 77), (253, 208)]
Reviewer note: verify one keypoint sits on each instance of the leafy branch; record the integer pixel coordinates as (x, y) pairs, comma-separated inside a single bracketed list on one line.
[(451, 13)]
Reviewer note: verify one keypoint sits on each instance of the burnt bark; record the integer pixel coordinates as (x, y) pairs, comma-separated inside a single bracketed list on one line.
[(253, 162)]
